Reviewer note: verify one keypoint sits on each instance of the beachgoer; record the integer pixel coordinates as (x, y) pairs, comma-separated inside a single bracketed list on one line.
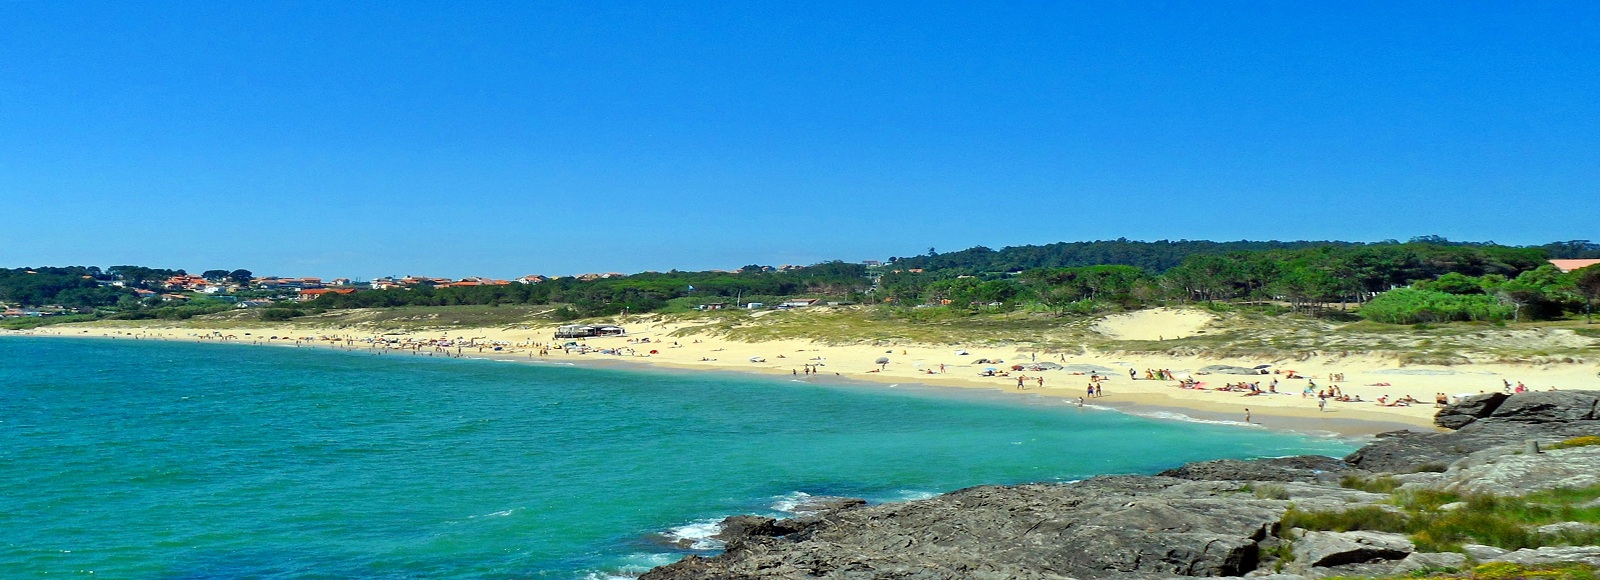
[(1322, 404), (1247, 414)]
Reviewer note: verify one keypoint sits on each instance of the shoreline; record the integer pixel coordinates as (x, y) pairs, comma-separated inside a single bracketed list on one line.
[(1272, 412)]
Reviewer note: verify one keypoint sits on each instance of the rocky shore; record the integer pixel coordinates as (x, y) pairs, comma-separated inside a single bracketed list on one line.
[(1214, 518)]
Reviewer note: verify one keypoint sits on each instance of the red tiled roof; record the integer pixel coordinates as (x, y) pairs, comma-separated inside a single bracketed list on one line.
[(1570, 265)]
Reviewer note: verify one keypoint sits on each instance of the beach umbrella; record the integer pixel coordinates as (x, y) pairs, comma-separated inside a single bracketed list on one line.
[(1259, 367), (990, 369), (882, 360)]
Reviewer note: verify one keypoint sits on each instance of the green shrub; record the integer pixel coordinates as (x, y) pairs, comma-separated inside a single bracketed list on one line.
[(1372, 518), (1414, 306), (1512, 571), (1380, 484), (1584, 441), (279, 314), (1270, 491)]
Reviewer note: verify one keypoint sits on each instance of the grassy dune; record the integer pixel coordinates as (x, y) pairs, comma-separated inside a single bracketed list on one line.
[(1245, 333)]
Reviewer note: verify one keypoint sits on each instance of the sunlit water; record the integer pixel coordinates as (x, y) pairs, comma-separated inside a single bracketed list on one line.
[(143, 459)]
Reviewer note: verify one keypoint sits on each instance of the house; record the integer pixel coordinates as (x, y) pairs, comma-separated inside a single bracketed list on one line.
[(712, 306), (754, 305), (531, 279), (871, 263), (799, 302), (1570, 265), (309, 294)]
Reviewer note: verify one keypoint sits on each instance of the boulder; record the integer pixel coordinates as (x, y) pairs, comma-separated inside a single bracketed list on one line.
[(1543, 416), (1548, 406), (1567, 528), (1483, 553), (1303, 468), (1324, 549), (1551, 555), (1468, 409), (1429, 561), (1103, 527), (743, 528), (1512, 473)]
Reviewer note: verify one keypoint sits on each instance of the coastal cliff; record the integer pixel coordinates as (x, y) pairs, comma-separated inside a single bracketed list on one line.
[(1394, 507)]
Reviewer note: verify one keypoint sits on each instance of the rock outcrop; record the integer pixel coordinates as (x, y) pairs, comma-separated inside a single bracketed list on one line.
[(1212, 518), (1303, 468), (1485, 421)]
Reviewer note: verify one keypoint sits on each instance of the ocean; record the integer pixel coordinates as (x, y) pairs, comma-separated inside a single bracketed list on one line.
[(128, 458)]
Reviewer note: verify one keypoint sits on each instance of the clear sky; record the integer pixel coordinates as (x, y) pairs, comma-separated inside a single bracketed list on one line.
[(453, 139)]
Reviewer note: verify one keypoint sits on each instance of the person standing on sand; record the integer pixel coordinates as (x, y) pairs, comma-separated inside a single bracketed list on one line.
[(1322, 404), (1247, 414), (1132, 376)]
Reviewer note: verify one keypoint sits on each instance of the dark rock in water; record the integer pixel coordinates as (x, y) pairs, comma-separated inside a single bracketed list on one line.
[(741, 528), (1303, 468), (819, 504), (1469, 409)]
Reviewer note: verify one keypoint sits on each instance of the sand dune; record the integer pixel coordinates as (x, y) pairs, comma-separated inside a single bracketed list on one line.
[(1154, 324)]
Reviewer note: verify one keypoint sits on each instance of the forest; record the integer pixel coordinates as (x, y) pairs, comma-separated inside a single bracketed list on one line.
[(1428, 279)]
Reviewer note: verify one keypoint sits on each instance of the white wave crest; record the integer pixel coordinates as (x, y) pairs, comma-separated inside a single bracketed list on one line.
[(1171, 416), (787, 503), (697, 534)]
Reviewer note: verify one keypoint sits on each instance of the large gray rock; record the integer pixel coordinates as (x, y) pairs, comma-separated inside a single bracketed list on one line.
[(1468, 409), (1430, 561), (1201, 522), (1545, 416), (1102, 527), (1552, 555), (1302, 468), (1548, 406), (1519, 473), (1566, 529), (1324, 549), (1483, 553)]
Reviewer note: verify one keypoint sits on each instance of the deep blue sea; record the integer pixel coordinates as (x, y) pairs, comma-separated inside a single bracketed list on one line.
[(145, 459)]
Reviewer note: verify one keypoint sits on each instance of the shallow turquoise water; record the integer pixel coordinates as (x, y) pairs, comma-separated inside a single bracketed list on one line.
[(139, 459)]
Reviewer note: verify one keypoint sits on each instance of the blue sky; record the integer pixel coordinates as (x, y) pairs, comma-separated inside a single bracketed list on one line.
[(367, 139)]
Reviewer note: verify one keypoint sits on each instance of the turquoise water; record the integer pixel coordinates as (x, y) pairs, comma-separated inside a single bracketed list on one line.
[(140, 459)]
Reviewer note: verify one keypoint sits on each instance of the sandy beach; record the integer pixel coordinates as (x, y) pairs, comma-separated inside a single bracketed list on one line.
[(1291, 407)]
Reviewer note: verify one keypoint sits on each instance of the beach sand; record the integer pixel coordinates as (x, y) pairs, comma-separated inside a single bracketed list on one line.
[(945, 366)]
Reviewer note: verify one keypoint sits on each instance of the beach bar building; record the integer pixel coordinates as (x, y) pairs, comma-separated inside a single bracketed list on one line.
[(588, 330)]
